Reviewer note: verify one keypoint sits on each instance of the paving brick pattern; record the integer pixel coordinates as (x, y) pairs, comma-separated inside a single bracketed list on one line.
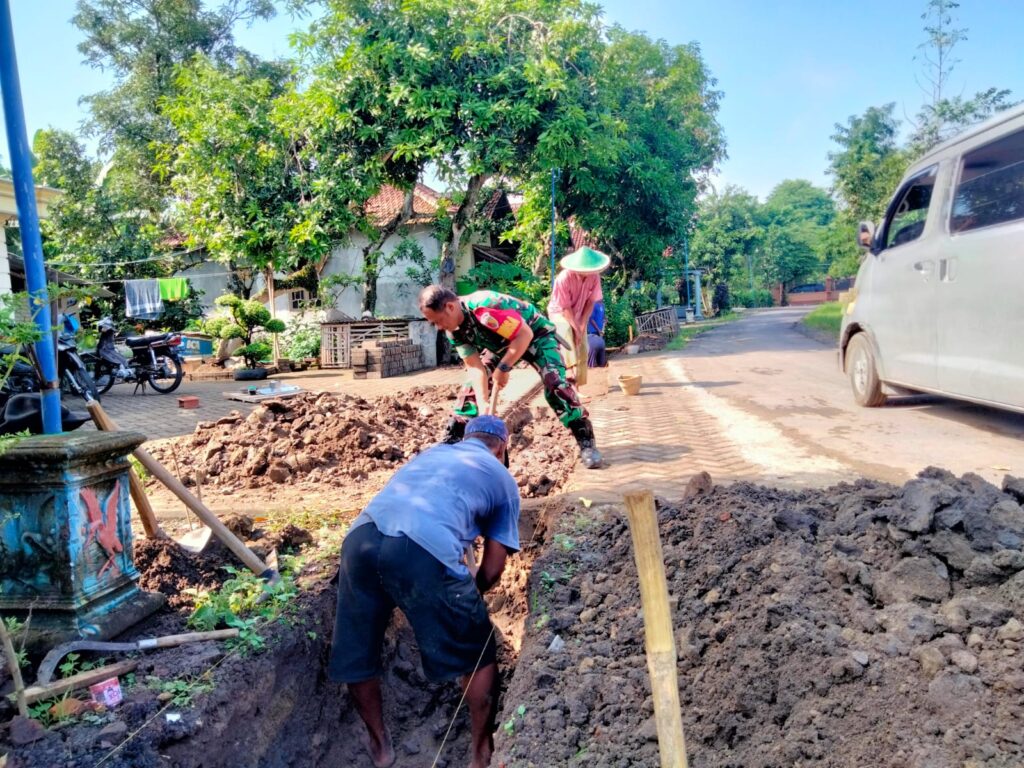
[(657, 439)]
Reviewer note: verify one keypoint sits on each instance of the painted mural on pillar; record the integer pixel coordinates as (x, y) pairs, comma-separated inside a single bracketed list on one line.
[(101, 526)]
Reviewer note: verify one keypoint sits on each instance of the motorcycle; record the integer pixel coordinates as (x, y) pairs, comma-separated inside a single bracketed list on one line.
[(154, 361), (71, 370)]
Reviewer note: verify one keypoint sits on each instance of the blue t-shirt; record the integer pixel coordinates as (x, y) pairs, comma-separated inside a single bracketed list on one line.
[(446, 497), (596, 323)]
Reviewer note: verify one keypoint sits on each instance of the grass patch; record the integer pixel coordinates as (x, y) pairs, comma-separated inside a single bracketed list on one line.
[(688, 332), (826, 318)]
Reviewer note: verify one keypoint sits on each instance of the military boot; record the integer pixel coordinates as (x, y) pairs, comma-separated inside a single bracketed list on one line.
[(583, 431)]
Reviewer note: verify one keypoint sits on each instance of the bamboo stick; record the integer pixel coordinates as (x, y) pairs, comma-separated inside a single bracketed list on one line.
[(12, 664), (81, 680), (142, 505), (659, 639), (232, 542)]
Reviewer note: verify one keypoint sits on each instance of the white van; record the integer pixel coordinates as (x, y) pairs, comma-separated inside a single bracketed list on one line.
[(938, 304)]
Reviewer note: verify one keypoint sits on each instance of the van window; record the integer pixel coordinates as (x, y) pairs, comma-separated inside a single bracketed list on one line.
[(907, 216), (991, 186)]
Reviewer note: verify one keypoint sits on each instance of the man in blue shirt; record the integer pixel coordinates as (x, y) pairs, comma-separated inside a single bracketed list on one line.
[(597, 356), (411, 548)]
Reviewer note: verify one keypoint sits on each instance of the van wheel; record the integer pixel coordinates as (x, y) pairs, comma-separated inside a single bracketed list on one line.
[(863, 373)]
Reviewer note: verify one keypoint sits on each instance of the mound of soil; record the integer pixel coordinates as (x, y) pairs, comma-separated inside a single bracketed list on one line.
[(324, 438), (860, 625)]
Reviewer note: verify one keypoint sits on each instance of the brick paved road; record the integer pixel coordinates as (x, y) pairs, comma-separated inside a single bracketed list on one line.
[(657, 439)]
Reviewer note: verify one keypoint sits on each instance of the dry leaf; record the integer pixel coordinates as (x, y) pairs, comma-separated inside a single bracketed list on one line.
[(586, 502)]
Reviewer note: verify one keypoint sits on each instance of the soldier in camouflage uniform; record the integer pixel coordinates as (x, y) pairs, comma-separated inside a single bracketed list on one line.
[(491, 332)]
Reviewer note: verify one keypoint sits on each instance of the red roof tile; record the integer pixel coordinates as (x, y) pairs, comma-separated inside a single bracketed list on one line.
[(387, 204)]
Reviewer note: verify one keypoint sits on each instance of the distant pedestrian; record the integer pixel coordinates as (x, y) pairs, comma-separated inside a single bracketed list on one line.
[(491, 332), (597, 355), (576, 290), (411, 548)]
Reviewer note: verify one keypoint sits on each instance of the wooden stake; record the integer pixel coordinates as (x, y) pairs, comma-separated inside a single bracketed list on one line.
[(159, 471), (149, 524), (81, 680), (659, 637), (12, 664)]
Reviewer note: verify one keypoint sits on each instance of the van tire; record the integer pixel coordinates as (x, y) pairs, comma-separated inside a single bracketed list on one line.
[(863, 373)]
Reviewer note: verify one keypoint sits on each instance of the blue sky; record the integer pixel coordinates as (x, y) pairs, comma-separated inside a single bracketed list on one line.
[(789, 69)]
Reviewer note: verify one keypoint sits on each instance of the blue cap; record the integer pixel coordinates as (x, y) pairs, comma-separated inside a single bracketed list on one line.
[(489, 425)]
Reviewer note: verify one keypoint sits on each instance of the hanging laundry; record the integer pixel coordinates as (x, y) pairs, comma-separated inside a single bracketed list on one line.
[(173, 288), (142, 299)]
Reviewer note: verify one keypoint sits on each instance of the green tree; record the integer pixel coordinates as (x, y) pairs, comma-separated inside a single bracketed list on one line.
[(943, 116), (246, 320), (94, 230), (142, 42), (868, 164), (474, 88), (652, 140), (728, 236), (243, 192), (798, 201)]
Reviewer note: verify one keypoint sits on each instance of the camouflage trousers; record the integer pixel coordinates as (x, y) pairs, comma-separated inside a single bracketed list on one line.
[(543, 356)]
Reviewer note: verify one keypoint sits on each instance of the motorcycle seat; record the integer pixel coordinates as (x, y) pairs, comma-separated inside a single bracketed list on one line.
[(144, 341)]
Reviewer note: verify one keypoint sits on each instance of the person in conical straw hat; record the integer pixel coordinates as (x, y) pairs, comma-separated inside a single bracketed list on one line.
[(575, 292)]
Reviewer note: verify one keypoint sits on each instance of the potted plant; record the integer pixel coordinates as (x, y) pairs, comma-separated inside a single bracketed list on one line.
[(244, 320)]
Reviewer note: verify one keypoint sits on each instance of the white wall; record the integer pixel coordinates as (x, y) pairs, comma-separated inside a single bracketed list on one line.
[(396, 295), (5, 267)]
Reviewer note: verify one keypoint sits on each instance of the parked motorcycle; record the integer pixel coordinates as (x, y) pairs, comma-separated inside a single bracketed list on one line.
[(71, 370), (155, 360), (24, 412)]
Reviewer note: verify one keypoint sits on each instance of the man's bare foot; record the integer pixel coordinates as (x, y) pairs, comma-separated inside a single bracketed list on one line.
[(483, 758), (382, 753)]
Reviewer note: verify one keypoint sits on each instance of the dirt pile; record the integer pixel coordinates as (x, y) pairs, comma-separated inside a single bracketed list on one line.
[(324, 438), (860, 625)]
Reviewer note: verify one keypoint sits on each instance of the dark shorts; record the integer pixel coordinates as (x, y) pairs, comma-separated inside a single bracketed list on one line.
[(447, 614)]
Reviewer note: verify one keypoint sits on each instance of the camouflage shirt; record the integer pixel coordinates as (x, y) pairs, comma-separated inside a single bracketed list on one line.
[(491, 320)]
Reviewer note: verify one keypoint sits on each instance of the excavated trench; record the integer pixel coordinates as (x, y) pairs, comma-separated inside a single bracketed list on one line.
[(279, 708)]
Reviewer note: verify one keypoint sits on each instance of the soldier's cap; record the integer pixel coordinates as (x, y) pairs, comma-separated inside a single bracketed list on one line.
[(489, 425)]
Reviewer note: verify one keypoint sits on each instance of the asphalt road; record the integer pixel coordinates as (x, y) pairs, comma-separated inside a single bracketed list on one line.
[(780, 396)]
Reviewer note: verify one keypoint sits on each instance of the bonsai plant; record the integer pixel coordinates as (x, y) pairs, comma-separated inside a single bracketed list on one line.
[(244, 320)]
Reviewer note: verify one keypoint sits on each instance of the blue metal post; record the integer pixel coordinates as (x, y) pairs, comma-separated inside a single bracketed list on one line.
[(28, 219), (554, 176)]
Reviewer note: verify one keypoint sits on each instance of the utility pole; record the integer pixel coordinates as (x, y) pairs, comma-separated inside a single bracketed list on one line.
[(28, 221), (555, 175)]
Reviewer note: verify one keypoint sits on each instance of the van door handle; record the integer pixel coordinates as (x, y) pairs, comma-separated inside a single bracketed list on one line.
[(924, 267), (947, 270)]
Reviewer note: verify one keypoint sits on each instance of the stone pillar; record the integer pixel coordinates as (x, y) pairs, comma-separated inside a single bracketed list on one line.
[(66, 538), (424, 336)]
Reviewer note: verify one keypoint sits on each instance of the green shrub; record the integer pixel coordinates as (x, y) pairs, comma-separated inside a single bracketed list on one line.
[(302, 340), (511, 279), (759, 297)]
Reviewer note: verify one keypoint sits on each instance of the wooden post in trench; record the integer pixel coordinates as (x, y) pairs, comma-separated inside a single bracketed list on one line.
[(659, 639)]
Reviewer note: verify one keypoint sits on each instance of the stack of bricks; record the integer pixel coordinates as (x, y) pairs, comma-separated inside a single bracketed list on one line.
[(386, 357)]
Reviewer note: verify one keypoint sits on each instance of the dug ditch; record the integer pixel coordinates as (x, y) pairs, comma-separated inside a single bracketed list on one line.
[(865, 624)]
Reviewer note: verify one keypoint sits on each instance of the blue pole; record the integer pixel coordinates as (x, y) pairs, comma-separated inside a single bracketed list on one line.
[(28, 219), (554, 171)]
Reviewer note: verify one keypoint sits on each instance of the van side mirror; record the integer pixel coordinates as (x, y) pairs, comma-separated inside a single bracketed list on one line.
[(865, 234)]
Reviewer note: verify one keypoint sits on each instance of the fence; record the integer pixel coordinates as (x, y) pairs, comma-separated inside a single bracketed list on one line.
[(337, 340), (658, 321)]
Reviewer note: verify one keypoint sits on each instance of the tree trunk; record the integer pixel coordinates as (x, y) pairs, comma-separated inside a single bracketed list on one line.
[(371, 253), (460, 223)]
